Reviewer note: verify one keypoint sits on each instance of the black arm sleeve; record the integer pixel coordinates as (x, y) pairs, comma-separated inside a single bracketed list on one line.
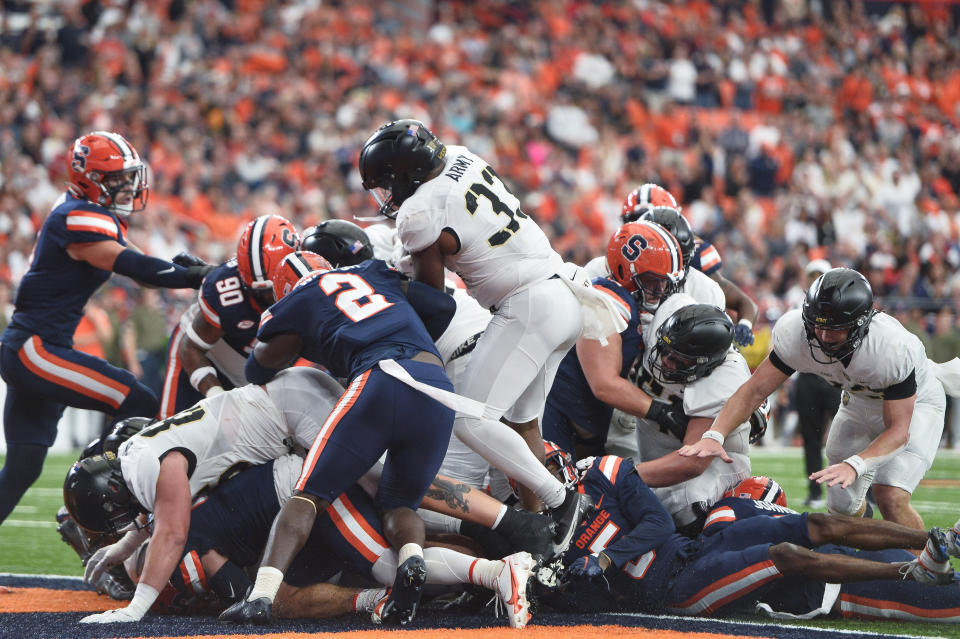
[(902, 390), (780, 364), (156, 271), (435, 308)]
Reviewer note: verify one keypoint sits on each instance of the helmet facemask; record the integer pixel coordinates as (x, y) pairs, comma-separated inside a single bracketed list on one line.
[(653, 289), (123, 192), (834, 351)]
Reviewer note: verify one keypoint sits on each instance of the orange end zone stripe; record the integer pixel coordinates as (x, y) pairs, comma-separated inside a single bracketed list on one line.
[(49, 600), (530, 632)]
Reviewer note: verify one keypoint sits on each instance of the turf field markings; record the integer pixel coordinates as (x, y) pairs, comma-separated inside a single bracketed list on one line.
[(25, 523)]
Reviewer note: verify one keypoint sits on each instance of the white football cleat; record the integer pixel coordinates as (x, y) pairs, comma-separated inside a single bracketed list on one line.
[(511, 587)]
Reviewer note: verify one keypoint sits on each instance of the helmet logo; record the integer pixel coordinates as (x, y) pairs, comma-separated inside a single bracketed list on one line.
[(412, 129), (632, 248), (288, 238), (80, 153)]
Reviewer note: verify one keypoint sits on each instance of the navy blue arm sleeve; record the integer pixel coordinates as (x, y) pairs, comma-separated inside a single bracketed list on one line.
[(435, 308), (155, 271), (257, 373), (652, 524)]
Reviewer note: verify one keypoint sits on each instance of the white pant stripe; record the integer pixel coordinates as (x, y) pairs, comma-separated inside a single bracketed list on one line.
[(66, 374)]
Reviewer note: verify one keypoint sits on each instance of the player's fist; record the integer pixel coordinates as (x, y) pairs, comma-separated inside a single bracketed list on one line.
[(587, 568), (195, 275), (187, 260), (743, 333), (669, 416)]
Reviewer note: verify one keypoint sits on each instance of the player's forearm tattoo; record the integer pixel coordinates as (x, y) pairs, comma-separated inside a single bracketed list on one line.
[(453, 494)]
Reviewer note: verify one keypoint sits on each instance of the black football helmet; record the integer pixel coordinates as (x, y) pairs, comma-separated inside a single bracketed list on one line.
[(691, 343), (840, 299), (122, 431), (342, 243), (97, 497), (396, 160), (670, 219)]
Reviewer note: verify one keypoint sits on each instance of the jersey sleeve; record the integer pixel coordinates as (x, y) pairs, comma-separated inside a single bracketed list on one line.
[(85, 226), (286, 316), (140, 474), (209, 302), (787, 340), (418, 227), (650, 521), (707, 258), (622, 301)]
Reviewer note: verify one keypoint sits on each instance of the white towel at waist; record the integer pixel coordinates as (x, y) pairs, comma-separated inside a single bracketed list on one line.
[(600, 315)]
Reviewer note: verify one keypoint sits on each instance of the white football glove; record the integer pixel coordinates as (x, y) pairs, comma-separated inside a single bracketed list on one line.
[(120, 615), (111, 555)]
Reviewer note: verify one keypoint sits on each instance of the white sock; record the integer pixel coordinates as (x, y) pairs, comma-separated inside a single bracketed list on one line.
[(928, 562), (503, 511), (367, 600), (503, 447), (267, 584)]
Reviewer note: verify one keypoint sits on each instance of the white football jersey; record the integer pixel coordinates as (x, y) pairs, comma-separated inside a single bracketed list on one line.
[(242, 427), (469, 321), (886, 357), (703, 288), (501, 249)]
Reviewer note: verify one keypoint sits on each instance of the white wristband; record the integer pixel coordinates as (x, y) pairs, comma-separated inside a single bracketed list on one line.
[(197, 376), (267, 583), (856, 462), (715, 435), (143, 598), (214, 390), (747, 322)]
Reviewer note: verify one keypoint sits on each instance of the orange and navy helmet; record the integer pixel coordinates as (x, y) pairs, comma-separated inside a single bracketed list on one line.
[(105, 169), (645, 259), (642, 199), (760, 488), (566, 470), (264, 242), (293, 268)]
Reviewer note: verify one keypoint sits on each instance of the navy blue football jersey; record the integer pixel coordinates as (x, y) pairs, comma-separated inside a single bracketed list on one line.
[(226, 305), (731, 509), (631, 527), (350, 318), (706, 258), (570, 394), (55, 289)]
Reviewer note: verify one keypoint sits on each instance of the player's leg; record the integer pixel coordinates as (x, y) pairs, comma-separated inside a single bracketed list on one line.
[(866, 534), (30, 428), (323, 600), (899, 476)]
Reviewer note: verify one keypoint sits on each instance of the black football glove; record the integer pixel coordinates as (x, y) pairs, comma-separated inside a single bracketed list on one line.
[(195, 275), (187, 260), (670, 417)]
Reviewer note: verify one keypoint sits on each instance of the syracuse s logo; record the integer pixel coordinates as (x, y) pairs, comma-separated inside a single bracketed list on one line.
[(633, 247)]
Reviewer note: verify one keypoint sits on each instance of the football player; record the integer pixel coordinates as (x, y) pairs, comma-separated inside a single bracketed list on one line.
[(887, 429), (756, 559), (688, 362), (82, 242), (209, 346), (164, 466), (645, 263), (454, 211), (361, 324), (229, 528), (340, 242)]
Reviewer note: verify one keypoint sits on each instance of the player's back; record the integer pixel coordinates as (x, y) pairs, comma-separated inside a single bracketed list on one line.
[(54, 291), (501, 250), (228, 306), (350, 318)]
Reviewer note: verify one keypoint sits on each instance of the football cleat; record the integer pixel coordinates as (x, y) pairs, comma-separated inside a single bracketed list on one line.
[(568, 516), (511, 587), (116, 584), (400, 607), (256, 611), (71, 534), (953, 540), (933, 565)]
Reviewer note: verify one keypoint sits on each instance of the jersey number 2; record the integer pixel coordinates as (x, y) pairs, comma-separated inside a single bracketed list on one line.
[(350, 289)]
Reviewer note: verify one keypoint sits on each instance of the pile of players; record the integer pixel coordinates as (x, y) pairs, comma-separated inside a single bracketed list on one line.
[(430, 394)]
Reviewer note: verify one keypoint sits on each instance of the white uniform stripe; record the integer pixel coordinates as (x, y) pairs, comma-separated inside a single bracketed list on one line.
[(607, 466), (354, 526), (208, 312), (256, 249), (299, 266), (75, 221), (745, 583), (891, 613), (125, 149), (70, 375), (193, 571), (168, 401), (675, 260), (645, 194), (338, 410), (721, 514)]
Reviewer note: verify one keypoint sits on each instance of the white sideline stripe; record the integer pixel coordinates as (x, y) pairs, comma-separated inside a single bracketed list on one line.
[(26, 523), (50, 577), (46, 492), (756, 624)]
